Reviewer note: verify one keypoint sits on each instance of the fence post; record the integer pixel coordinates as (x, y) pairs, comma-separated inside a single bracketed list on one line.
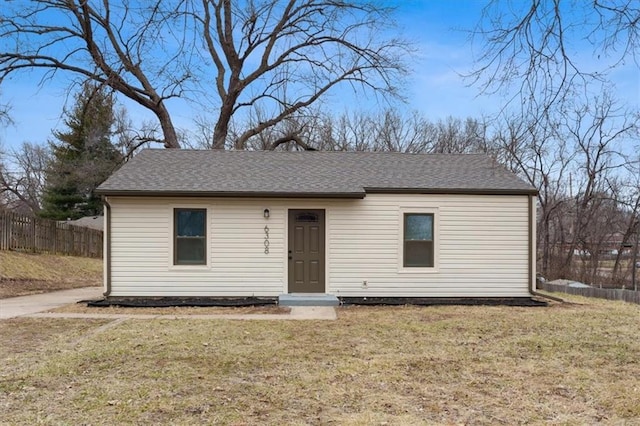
[(3, 231)]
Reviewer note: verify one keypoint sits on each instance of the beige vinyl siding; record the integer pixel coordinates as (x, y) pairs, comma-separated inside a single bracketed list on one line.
[(481, 247), (142, 250)]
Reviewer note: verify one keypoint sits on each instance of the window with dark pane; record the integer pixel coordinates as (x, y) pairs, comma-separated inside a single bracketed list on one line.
[(418, 240), (307, 217), (190, 232)]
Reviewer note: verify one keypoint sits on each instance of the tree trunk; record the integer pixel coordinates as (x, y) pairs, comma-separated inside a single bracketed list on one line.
[(222, 125), (626, 239), (168, 131), (547, 241)]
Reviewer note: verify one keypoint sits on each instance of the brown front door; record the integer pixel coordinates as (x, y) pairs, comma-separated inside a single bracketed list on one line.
[(306, 251)]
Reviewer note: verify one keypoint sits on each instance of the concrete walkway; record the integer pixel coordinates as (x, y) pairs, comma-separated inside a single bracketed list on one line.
[(34, 306), (27, 305)]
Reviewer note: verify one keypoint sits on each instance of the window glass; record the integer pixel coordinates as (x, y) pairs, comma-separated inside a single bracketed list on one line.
[(190, 242), (418, 240), (418, 227), (307, 217), (190, 250), (190, 223)]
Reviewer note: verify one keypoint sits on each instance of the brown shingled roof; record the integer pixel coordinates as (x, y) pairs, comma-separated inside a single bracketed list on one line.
[(308, 174)]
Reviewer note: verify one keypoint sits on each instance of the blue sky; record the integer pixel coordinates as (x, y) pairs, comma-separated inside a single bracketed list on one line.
[(434, 87)]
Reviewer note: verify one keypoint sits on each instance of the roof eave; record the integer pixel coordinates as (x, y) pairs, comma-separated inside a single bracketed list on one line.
[(457, 191), (345, 195), (229, 194)]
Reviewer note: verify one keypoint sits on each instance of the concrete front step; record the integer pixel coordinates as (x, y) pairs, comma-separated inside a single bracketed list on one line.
[(312, 299)]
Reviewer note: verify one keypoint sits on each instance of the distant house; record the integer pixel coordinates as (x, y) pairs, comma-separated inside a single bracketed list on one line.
[(93, 222), (352, 224), (609, 244)]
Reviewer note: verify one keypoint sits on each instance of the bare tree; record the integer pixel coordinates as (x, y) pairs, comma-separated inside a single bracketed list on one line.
[(537, 154), (598, 133), (456, 136), (279, 56), (536, 45), (576, 160), (389, 130), (136, 50), (22, 176), (264, 51), (571, 146), (628, 195), (353, 131), (5, 118), (130, 138)]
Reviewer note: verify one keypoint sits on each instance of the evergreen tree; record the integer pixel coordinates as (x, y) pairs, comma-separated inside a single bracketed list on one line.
[(83, 156)]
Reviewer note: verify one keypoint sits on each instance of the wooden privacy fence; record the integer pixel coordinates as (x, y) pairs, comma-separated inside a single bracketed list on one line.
[(38, 235), (602, 293)]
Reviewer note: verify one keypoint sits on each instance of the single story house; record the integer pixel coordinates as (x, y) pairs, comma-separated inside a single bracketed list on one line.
[(183, 223)]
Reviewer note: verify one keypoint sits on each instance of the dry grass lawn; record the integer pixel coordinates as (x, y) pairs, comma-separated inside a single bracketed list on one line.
[(565, 364), (25, 273), (82, 308)]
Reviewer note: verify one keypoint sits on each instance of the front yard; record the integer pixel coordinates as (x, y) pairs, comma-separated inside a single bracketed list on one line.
[(572, 363), (26, 273)]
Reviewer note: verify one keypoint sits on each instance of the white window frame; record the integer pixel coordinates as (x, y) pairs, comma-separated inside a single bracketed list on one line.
[(172, 231), (436, 240)]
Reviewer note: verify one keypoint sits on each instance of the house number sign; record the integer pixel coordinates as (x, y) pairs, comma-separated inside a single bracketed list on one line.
[(266, 239)]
